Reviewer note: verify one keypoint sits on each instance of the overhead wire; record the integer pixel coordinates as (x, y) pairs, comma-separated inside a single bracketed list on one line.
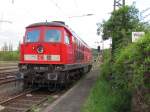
[(56, 4), (76, 4), (58, 7)]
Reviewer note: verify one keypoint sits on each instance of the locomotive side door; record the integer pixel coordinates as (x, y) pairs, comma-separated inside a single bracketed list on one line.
[(69, 47)]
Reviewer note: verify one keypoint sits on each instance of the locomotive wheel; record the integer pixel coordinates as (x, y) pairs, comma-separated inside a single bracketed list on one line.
[(64, 83), (67, 80), (89, 68), (27, 84), (28, 81)]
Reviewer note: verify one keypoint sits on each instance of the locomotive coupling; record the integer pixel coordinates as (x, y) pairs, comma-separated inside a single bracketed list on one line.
[(20, 75), (52, 76)]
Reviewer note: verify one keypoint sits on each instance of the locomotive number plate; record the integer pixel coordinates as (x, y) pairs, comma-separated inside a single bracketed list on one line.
[(30, 57), (48, 57), (40, 57)]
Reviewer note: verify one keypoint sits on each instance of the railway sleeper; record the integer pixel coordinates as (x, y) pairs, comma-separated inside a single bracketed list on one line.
[(13, 109), (21, 105), (27, 101)]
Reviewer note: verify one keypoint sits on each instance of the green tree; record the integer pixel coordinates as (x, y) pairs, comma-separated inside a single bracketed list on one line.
[(120, 26)]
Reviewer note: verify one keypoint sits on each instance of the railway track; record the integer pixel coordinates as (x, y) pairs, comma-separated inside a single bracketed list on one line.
[(8, 74), (7, 80), (25, 101), (8, 63), (8, 69)]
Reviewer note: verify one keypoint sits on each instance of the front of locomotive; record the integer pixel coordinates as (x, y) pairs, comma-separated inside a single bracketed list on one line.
[(41, 53)]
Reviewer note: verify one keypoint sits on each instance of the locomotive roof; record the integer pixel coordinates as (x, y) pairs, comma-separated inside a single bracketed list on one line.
[(58, 24), (46, 24)]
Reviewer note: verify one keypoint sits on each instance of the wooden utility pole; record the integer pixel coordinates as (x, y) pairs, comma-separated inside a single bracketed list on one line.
[(123, 2), (118, 3)]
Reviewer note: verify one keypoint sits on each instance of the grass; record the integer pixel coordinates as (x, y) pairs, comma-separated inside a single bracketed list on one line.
[(34, 109), (9, 56), (102, 99), (49, 99)]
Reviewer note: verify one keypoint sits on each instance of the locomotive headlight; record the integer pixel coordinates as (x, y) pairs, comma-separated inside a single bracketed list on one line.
[(40, 49)]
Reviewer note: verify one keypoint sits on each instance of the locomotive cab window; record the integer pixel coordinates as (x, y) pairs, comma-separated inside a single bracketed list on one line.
[(52, 36), (32, 36)]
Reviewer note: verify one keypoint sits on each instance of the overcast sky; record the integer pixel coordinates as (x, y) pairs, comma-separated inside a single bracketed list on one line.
[(21, 13)]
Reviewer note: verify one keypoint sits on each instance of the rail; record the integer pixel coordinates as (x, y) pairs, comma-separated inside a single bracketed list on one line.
[(25, 101)]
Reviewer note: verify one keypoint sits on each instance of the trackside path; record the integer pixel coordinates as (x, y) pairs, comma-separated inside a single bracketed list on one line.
[(73, 100)]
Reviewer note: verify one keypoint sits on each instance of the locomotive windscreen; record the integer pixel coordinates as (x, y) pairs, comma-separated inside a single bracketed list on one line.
[(52, 36), (32, 36)]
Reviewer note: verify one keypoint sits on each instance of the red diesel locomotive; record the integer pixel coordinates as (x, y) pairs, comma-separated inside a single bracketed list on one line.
[(51, 53)]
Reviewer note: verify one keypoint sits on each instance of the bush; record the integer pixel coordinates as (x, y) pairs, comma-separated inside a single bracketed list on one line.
[(103, 97), (130, 66), (106, 68), (123, 80)]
